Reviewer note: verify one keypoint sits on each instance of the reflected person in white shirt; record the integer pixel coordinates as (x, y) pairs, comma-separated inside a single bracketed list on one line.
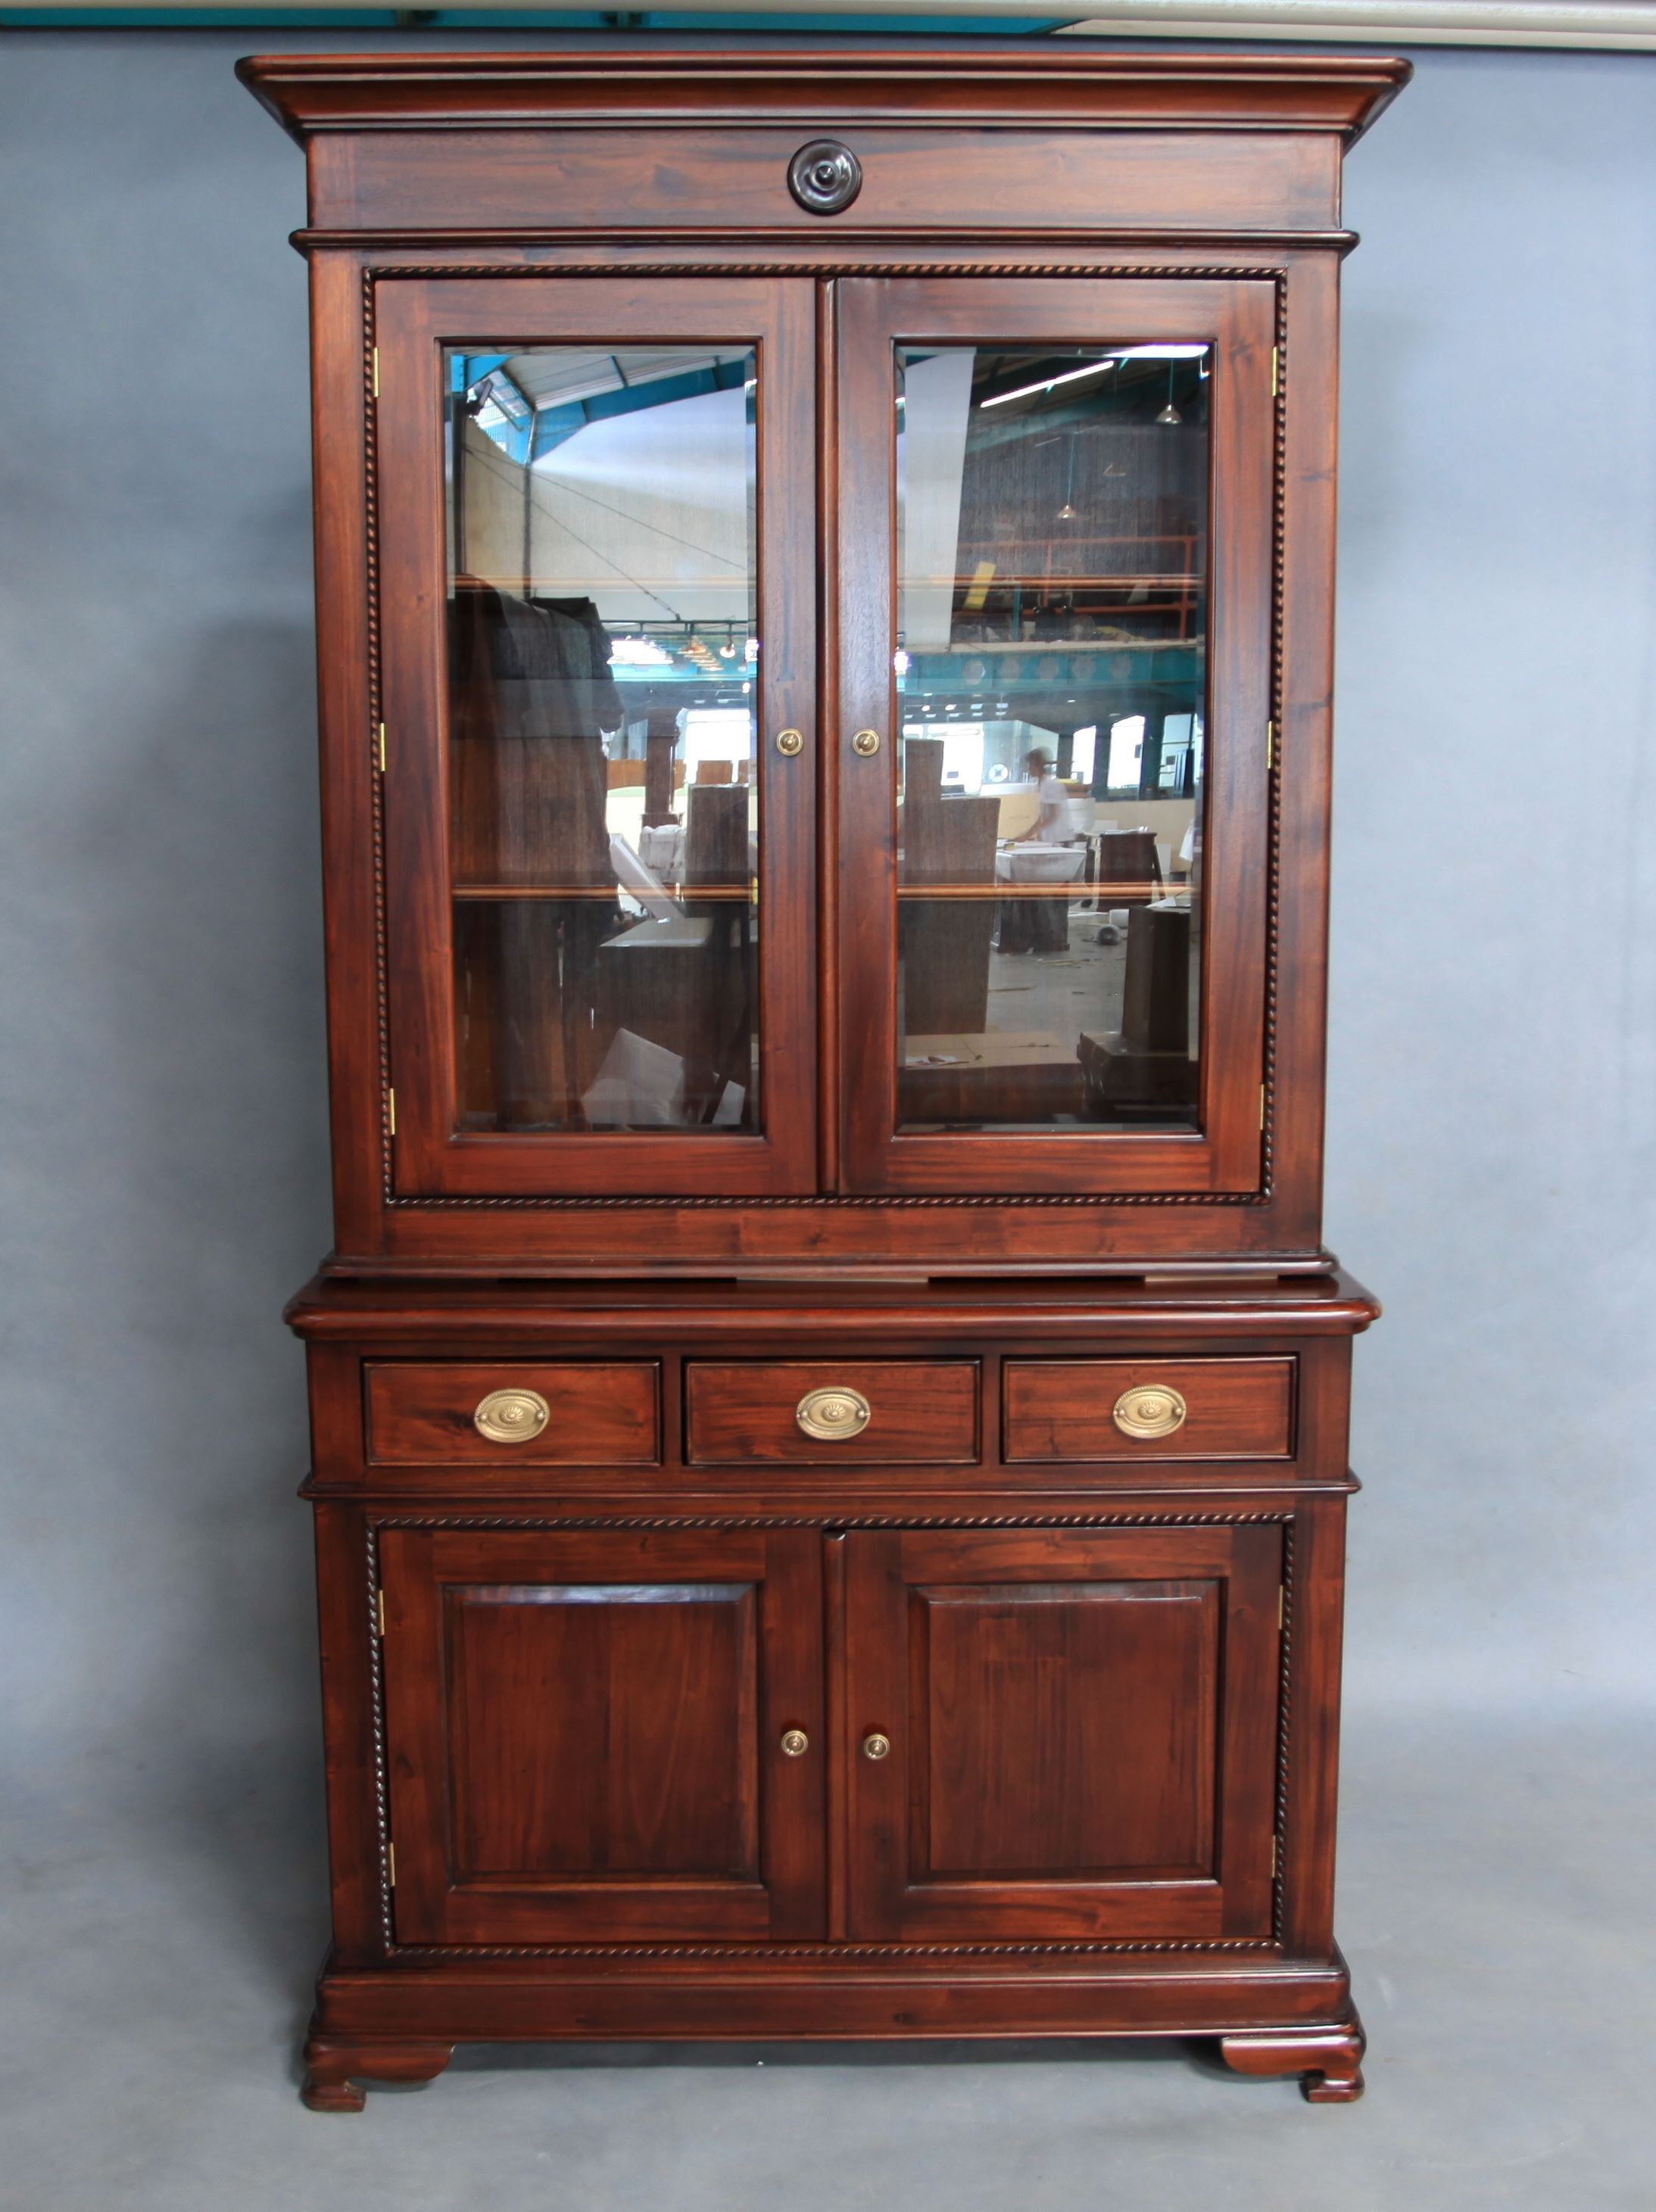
[(1051, 824)]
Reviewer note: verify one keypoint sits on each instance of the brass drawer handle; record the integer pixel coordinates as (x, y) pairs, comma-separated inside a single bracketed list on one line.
[(866, 742), (1149, 1409), (511, 1417), (833, 1414), (791, 742), (875, 1745), (795, 1743)]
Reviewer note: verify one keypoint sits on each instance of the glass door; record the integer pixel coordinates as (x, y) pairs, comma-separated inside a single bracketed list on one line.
[(598, 671), (1053, 769)]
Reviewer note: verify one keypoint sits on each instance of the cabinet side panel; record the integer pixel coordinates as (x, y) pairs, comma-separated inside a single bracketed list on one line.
[(1309, 372), (345, 1618), (1310, 1750), (351, 832)]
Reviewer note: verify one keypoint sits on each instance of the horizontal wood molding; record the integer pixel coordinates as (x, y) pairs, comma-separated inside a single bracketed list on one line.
[(310, 93)]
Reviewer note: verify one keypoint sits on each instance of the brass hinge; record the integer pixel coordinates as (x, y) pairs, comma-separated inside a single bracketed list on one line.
[(1271, 747), (383, 750), (1275, 1856), (1273, 364), (377, 374), (391, 1864), (1282, 1610), (1261, 1105), (390, 1113), (379, 1611)]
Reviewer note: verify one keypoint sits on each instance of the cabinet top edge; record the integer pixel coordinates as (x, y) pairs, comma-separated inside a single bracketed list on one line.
[(771, 1314), (308, 93)]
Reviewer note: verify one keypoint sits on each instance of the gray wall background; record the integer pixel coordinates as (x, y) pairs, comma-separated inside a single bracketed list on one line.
[(1494, 1051)]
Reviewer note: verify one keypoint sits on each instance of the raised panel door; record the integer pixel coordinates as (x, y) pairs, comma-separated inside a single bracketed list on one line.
[(1062, 1734), (586, 1732)]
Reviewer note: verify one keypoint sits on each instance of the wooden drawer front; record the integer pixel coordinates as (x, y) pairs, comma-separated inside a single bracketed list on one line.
[(1063, 1410), (601, 1415), (748, 1410)]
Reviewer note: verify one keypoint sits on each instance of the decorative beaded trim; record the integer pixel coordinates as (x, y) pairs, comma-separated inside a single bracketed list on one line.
[(1192, 272)]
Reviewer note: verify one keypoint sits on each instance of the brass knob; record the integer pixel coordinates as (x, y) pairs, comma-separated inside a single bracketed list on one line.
[(790, 742), (795, 1743), (833, 1414), (1148, 1409), (875, 1745), (866, 742), (512, 1417)]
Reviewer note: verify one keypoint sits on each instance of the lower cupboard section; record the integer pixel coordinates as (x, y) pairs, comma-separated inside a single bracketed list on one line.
[(728, 1737)]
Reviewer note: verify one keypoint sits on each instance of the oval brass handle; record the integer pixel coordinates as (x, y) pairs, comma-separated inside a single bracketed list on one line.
[(875, 1745), (1148, 1409), (795, 1743), (791, 742), (511, 1417), (833, 1414), (866, 742)]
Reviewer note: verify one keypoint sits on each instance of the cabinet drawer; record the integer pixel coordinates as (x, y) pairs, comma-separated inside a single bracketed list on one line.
[(595, 1415), (916, 1411), (1062, 1410)]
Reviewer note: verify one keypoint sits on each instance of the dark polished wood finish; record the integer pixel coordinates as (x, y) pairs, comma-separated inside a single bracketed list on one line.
[(1061, 1409), (604, 1414), (662, 1715)]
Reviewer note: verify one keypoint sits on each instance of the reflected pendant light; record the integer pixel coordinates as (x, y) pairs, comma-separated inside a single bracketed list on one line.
[(1170, 414), (1067, 512)]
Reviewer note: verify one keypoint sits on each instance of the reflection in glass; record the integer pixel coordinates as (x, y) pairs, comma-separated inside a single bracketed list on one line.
[(1051, 675), (603, 662)]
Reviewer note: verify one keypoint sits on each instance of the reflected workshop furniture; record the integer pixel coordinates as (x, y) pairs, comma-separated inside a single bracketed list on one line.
[(812, 1542)]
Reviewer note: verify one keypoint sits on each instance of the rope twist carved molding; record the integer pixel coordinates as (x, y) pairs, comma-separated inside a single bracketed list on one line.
[(850, 1521), (1284, 1728), (762, 1954), (805, 267)]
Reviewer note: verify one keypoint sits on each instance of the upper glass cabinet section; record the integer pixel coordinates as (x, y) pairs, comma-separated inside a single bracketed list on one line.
[(603, 650), (1051, 674)]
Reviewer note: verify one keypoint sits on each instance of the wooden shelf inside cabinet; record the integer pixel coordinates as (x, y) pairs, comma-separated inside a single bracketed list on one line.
[(830, 1439)]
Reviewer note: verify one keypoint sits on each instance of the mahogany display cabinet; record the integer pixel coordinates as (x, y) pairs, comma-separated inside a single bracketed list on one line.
[(829, 1404)]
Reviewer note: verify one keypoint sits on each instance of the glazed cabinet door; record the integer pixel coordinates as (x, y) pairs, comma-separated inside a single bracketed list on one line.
[(1052, 751), (1062, 1734), (605, 1735), (594, 503)]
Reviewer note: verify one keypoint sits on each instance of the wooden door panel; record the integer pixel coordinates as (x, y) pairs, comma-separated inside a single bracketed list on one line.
[(1083, 1730), (602, 1728), (584, 1731), (1032, 1770)]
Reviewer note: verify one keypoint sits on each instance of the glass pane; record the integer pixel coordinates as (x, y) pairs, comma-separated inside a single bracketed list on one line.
[(1051, 677), (603, 668)]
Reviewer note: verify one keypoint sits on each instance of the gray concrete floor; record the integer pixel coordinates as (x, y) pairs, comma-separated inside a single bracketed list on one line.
[(1495, 1902)]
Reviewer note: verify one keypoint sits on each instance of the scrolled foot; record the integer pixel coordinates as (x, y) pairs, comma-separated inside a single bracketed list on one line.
[(335, 2070), (1327, 2060)]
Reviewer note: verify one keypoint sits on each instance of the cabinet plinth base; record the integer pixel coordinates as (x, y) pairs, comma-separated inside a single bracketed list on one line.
[(1327, 2060), (335, 2068), (400, 2024)]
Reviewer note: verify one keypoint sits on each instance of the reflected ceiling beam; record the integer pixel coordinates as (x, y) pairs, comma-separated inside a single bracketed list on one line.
[(1628, 26)]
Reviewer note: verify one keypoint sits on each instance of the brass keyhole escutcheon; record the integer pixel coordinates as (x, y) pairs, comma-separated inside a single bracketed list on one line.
[(1148, 1410), (511, 1417), (875, 1745), (795, 1743), (790, 742), (833, 1414), (866, 742)]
